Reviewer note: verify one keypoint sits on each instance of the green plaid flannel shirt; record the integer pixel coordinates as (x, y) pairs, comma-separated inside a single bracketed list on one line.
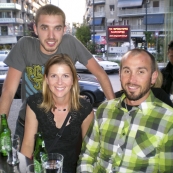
[(136, 141)]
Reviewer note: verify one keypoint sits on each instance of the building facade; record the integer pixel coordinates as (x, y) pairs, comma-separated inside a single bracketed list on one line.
[(143, 16), (15, 15)]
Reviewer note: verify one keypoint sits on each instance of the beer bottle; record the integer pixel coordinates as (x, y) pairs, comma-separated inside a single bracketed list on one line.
[(39, 151), (5, 136)]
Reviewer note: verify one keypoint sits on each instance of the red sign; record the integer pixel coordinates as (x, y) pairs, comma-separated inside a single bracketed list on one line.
[(119, 33)]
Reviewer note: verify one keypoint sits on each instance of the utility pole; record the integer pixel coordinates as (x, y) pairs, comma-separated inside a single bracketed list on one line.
[(93, 28), (146, 29)]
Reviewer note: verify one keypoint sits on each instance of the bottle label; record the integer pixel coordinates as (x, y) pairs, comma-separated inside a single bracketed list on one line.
[(5, 144), (43, 144), (37, 166)]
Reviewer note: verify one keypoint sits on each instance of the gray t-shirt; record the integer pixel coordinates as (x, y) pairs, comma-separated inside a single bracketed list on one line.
[(27, 57)]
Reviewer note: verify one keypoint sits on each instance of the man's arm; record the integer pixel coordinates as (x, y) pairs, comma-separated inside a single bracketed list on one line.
[(31, 125), (9, 89), (90, 149), (102, 77)]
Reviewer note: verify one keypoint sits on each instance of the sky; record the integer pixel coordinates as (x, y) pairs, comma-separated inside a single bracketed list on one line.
[(74, 9)]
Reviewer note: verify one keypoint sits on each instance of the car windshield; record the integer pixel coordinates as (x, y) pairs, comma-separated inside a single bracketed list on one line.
[(99, 59), (4, 52), (2, 58)]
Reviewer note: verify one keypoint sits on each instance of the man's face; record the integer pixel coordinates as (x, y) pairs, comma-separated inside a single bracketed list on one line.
[(50, 30), (136, 77), (170, 56)]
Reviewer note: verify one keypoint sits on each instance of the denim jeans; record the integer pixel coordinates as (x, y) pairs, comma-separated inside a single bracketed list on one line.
[(19, 131)]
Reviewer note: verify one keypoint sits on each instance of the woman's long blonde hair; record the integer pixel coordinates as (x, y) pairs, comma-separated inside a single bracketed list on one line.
[(48, 101)]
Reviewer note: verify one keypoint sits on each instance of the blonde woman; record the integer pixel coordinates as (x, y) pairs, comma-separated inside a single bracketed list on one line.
[(58, 106)]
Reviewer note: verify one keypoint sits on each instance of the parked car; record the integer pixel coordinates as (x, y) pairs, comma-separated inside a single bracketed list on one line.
[(4, 53), (152, 50), (92, 91), (3, 66), (108, 66)]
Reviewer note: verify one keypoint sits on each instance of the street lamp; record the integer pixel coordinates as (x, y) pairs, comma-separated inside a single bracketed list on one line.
[(146, 39), (93, 28)]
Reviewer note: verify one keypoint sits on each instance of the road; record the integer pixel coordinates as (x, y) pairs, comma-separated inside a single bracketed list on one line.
[(114, 78)]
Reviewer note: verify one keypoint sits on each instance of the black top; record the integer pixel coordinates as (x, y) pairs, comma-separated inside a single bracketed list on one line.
[(158, 92), (167, 73), (67, 144)]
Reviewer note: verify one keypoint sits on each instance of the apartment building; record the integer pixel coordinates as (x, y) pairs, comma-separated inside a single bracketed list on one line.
[(140, 15), (14, 17)]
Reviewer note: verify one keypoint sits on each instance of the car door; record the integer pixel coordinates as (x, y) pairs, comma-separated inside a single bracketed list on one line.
[(80, 66)]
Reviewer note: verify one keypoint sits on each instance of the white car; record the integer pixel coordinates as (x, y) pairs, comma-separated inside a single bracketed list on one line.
[(108, 66), (3, 66), (152, 50)]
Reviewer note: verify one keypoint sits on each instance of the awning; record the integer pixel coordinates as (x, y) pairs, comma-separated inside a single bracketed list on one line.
[(154, 19), (97, 21), (129, 3), (110, 20), (8, 39)]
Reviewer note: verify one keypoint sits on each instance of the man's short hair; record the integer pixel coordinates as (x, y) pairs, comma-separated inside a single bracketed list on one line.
[(138, 51), (170, 45), (49, 9)]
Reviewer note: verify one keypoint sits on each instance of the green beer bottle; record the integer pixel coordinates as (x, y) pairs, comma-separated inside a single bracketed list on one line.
[(39, 151), (5, 136)]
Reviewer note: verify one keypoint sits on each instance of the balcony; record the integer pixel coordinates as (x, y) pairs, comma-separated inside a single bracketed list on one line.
[(99, 14), (98, 2), (18, 33), (11, 20), (10, 6), (149, 27), (141, 11), (98, 28), (41, 3), (37, 6), (24, 10)]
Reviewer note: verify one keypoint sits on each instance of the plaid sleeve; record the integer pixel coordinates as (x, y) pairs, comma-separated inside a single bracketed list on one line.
[(166, 153), (90, 149)]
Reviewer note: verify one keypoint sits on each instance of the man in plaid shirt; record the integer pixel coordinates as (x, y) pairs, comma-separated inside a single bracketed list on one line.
[(133, 133)]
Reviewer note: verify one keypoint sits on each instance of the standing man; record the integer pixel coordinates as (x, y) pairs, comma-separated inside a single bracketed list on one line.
[(167, 72), (29, 55), (133, 133)]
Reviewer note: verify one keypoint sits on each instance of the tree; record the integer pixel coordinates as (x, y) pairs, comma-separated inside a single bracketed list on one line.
[(83, 34), (31, 30)]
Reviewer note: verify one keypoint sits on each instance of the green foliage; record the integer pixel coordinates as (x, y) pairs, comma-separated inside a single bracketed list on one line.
[(91, 47), (83, 34)]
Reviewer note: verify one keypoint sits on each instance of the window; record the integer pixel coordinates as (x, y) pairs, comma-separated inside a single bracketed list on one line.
[(155, 3), (5, 14), (111, 7), (125, 22), (139, 22), (4, 30)]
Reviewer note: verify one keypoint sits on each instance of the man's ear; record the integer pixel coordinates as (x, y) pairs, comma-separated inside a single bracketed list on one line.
[(154, 77), (35, 29)]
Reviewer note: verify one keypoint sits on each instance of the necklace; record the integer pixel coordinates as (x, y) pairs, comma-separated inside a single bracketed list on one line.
[(61, 109)]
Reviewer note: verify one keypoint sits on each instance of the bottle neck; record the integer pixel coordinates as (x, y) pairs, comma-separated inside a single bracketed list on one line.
[(4, 123)]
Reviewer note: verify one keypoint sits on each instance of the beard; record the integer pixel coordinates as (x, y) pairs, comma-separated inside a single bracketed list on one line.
[(47, 48), (134, 97)]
